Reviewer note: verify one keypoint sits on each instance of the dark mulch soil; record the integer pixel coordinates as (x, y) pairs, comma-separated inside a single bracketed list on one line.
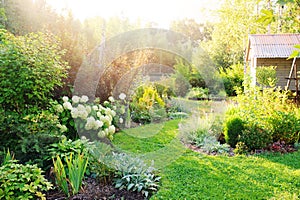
[(94, 190)]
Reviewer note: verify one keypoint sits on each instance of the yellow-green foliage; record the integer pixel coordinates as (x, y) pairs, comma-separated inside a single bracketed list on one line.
[(150, 98), (144, 102)]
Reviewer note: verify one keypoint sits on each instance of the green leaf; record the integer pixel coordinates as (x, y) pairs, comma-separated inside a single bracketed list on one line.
[(297, 46), (267, 17), (118, 185), (294, 54), (130, 186)]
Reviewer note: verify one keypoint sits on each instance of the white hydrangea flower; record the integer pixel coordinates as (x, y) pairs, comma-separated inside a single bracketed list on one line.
[(67, 105), (90, 122), (111, 129), (99, 115), (88, 109), (65, 98), (101, 134), (108, 119), (101, 108), (108, 111), (113, 113), (74, 113), (122, 96), (59, 108), (105, 103), (81, 107), (83, 114), (75, 99), (95, 108), (121, 120), (98, 124), (102, 118), (84, 99), (111, 99), (106, 131), (114, 107)]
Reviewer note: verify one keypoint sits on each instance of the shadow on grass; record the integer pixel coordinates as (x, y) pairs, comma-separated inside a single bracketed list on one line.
[(291, 160), (190, 175), (195, 176)]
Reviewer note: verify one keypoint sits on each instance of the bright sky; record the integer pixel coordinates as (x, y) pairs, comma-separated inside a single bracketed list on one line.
[(160, 11)]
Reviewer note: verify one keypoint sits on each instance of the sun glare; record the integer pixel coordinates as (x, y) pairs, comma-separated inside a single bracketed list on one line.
[(158, 12)]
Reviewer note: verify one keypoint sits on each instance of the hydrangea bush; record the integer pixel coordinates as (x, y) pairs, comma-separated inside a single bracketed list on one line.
[(91, 119)]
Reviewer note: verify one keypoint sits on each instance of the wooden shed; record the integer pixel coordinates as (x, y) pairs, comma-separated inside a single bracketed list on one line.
[(272, 50)]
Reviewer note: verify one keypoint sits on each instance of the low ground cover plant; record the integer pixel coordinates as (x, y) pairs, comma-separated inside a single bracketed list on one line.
[(18, 181), (133, 174)]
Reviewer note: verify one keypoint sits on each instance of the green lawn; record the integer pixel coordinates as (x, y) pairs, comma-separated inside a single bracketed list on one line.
[(190, 175)]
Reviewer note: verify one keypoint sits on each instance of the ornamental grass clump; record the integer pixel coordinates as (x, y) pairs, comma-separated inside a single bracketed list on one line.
[(72, 174)]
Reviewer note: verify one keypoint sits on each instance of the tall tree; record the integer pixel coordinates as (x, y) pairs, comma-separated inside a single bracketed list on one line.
[(237, 19), (281, 16), (194, 31)]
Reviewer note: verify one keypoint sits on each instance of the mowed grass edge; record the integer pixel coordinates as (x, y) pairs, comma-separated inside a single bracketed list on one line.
[(196, 176)]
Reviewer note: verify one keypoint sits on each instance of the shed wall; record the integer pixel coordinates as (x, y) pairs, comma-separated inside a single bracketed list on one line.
[(283, 69)]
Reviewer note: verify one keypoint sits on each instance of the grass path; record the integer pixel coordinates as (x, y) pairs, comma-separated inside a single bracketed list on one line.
[(190, 175)]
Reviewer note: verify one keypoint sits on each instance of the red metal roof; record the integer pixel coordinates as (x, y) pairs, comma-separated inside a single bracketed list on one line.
[(272, 45)]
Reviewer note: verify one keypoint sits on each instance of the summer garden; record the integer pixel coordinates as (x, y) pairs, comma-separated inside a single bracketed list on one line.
[(80, 121)]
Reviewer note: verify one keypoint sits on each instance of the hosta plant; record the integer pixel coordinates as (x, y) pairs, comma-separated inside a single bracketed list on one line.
[(133, 174)]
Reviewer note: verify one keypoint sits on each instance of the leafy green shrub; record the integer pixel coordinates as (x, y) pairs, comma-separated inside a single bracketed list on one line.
[(97, 162), (29, 135), (165, 92), (269, 112), (240, 148), (133, 174), (31, 68), (255, 137), (11, 129), (233, 77), (39, 131), (145, 102), (65, 147), (197, 93), (233, 128), (266, 75), (286, 126), (196, 80), (19, 181)]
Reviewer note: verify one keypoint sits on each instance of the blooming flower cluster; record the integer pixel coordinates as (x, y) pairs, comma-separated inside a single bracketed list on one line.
[(92, 118)]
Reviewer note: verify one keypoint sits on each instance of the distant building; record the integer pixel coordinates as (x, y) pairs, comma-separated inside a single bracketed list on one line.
[(272, 50)]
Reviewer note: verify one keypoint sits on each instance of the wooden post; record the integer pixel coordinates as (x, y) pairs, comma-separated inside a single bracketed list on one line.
[(296, 82), (291, 73)]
